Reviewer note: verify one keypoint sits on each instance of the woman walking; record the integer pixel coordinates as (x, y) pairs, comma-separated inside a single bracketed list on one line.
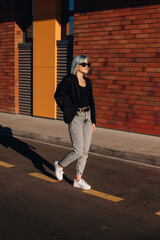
[(74, 96)]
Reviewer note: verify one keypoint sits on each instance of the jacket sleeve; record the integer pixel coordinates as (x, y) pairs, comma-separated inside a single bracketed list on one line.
[(62, 88), (93, 112)]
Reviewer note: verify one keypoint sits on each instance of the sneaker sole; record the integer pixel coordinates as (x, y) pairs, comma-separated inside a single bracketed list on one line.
[(82, 188)]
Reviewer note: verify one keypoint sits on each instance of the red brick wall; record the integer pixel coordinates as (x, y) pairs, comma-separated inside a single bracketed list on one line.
[(10, 36), (123, 44), (18, 39)]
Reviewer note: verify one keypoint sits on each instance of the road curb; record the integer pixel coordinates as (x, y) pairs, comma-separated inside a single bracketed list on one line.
[(131, 156)]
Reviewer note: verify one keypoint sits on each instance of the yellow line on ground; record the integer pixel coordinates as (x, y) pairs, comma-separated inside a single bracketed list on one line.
[(158, 213), (103, 195), (44, 177), (7, 165)]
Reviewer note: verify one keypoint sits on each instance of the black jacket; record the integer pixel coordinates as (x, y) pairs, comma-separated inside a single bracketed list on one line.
[(67, 96)]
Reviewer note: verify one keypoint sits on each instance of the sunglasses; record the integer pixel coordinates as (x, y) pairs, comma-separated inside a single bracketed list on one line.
[(85, 64)]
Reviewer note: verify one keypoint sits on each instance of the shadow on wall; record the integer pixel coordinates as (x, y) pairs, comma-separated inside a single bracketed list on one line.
[(18, 11), (100, 5)]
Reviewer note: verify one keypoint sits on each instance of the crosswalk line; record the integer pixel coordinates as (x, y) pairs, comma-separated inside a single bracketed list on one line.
[(158, 213), (43, 177), (103, 195), (7, 165)]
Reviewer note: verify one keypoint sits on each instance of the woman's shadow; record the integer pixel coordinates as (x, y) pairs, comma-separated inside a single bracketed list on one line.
[(8, 141)]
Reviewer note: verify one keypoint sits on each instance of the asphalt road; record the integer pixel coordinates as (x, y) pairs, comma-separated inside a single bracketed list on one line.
[(37, 209)]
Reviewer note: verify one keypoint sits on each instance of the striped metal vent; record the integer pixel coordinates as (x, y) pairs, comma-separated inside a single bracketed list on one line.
[(64, 59), (25, 78)]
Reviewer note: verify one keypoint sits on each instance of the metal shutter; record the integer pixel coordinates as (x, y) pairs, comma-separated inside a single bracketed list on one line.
[(25, 78), (64, 59)]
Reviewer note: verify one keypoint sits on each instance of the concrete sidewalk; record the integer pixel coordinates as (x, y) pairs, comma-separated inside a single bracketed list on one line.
[(124, 145)]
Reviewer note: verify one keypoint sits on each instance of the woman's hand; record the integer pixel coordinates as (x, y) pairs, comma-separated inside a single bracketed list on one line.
[(93, 127)]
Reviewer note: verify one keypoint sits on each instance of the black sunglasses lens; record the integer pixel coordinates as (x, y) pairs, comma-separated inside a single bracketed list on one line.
[(84, 64)]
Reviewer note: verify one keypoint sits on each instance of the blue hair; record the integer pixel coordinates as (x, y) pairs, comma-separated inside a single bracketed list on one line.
[(77, 60)]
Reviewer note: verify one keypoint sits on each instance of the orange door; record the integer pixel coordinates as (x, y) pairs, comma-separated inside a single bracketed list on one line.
[(46, 31)]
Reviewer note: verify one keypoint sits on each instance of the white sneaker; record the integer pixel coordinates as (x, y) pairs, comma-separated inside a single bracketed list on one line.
[(81, 184), (58, 171)]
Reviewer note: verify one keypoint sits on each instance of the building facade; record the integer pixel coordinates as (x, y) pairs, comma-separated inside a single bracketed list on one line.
[(122, 39)]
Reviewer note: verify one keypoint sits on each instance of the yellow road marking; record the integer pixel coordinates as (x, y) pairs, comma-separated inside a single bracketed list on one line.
[(158, 213), (44, 177), (103, 195), (7, 165)]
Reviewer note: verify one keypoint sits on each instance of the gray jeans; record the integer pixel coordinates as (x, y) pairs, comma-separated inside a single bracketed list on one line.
[(80, 130)]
